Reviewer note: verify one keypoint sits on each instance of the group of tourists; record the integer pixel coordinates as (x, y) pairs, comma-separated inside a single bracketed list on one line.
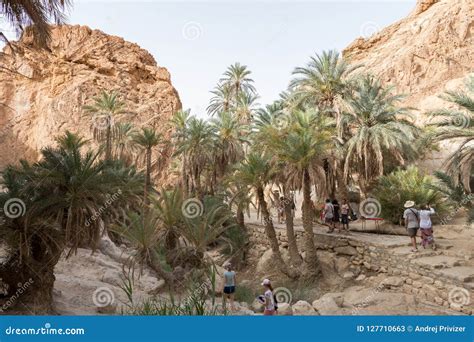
[(268, 299), (337, 216), (419, 220)]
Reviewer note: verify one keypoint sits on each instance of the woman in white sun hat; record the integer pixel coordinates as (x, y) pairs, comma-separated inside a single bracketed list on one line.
[(411, 217), (267, 299)]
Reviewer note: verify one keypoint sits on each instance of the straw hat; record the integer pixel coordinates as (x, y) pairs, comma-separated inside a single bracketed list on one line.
[(409, 204)]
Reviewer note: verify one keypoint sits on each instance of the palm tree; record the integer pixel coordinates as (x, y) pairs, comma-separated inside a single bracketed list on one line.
[(180, 121), (105, 108), (197, 146), (257, 171), (146, 140), (229, 140), (301, 150), (34, 16), (379, 128), (237, 78), (123, 148), (458, 124), (323, 81), (67, 199), (222, 100)]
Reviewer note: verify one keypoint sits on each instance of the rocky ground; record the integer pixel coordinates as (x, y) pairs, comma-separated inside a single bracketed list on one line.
[(86, 281)]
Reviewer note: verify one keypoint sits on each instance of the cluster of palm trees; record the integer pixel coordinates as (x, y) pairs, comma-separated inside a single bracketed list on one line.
[(331, 128)]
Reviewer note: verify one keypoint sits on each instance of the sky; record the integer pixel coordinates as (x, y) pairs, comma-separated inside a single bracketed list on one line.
[(197, 40)]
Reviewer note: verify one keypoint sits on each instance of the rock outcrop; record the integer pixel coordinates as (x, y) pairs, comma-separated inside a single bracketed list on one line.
[(422, 55), (46, 92)]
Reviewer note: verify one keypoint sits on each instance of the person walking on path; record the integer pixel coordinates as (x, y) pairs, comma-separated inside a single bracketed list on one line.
[(269, 299), (345, 209), (412, 222), (426, 226), (229, 286), (329, 215)]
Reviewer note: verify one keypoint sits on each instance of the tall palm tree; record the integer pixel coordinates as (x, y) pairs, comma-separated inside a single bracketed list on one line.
[(458, 124), (34, 15), (222, 100), (324, 83), (237, 78), (180, 121), (197, 145), (301, 149), (245, 107), (257, 171), (66, 197), (378, 128), (230, 139), (105, 108), (123, 147), (146, 140)]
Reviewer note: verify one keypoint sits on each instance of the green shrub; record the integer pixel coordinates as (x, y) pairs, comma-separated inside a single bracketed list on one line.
[(244, 294), (393, 190)]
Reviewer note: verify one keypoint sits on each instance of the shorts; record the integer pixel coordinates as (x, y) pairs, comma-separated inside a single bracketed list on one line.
[(328, 219), (345, 219), (229, 289), (412, 232), (268, 312)]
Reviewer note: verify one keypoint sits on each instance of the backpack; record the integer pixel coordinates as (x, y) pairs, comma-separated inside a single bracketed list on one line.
[(275, 302)]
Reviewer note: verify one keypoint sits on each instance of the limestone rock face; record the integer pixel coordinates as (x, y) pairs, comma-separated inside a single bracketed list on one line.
[(424, 54), (46, 93)]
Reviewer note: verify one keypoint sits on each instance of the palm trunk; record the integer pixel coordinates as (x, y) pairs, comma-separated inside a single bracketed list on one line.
[(148, 175), (311, 260), (269, 228), (295, 256), (108, 140), (240, 217)]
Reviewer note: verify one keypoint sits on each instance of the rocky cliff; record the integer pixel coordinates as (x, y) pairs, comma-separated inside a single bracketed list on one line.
[(46, 92), (424, 54)]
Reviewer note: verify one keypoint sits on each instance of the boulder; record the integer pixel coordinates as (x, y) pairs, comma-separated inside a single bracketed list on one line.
[(326, 305), (285, 309), (346, 250), (393, 282), (303, 308)]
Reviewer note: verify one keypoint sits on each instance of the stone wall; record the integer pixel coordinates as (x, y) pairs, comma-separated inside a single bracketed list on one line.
[(443, 283)]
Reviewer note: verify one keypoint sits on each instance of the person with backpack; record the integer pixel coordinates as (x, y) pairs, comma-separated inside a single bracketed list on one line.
[(269, 299), (411, 217)]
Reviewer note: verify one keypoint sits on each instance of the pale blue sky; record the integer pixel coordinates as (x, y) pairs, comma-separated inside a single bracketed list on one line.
[(271, 37)]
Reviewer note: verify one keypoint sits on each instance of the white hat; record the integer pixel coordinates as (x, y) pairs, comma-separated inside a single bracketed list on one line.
[(409, 204), (266, 282)]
